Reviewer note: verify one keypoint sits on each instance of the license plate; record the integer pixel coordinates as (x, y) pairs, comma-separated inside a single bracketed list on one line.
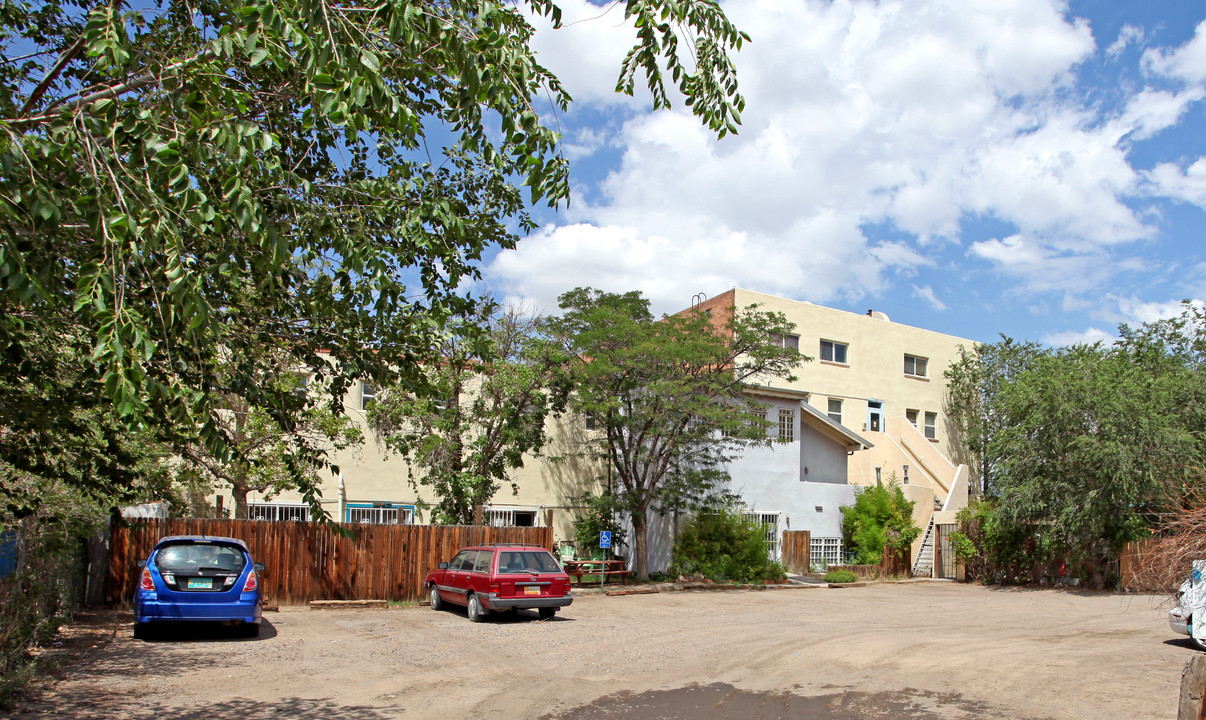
[(531, 590), (200, 583)]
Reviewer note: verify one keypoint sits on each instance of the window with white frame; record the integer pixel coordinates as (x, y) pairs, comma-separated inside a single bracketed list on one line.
[(770, 521), (825, 551), (914, 366), (834, 352), (379, 514), (835, 410), (912, 416), (278, 512), (787, 425), (511, 517), (787, 341), (368, 393), (931, 425)]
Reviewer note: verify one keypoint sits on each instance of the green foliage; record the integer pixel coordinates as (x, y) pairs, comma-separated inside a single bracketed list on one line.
[(50, 580), (726, 546), (668, 395), (488, 405), (185, 184), (840, 576), (1080, 447), (880, 517), (599, 516)]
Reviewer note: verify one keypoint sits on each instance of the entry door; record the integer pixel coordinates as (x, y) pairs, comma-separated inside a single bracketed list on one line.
[(946, 552), (875, 416)]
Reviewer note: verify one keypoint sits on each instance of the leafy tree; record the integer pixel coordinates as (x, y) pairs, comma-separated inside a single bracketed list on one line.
[(266, 460), (184, 183), (487, 410), (974, 383), (600, 516), (1082, 445), (880, 517), (668, 395), (723, 544)]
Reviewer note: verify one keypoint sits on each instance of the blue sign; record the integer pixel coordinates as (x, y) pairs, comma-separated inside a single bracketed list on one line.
[(605, 539)]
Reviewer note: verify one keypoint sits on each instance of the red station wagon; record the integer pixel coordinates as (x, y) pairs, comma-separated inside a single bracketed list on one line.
[(500, 577)]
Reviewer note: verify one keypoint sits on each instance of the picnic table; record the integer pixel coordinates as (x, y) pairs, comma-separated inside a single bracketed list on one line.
[(607, 568)]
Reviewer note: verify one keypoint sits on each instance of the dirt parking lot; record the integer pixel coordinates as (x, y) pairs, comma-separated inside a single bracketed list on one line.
[(911, 650)]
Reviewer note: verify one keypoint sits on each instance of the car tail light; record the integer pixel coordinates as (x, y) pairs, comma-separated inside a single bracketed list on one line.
[(494, 587), (147, 583), (251, 582)]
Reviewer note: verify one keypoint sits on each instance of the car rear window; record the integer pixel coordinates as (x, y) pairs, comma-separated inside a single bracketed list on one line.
[(186, 557), (517, 561), (483, 562)]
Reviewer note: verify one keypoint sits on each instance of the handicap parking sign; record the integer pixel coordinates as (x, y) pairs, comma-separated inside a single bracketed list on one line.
[(604, 539)]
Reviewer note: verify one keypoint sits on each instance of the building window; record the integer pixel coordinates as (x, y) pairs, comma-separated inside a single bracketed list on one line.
[(906, 474), (912, 416), (278, 512), (834, 352), (931, 425), (835, 410), (380, 514), (589, 421), (505, 517), (915, 366), (368, 393), (787, 341), (825, 552), (879, 474), (302, 386), (770, 521), (787, 425)]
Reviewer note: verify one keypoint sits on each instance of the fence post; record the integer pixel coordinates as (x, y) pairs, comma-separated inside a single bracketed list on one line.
[(1193, 689)]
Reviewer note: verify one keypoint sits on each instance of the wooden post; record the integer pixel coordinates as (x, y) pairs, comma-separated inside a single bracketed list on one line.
[(1193, 689)]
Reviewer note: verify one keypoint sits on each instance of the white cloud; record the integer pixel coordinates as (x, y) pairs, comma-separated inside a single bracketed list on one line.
[(926, 293), (1080, 337), (1188, 185), (1127, 36), (914, 115), (1186, 63)]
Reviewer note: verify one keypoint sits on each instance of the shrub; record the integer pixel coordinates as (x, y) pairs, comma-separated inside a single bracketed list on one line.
[(880, 516), (725, 546), (840, 576)]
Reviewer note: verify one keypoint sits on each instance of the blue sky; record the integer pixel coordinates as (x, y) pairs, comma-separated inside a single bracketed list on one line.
[(1022, 167)]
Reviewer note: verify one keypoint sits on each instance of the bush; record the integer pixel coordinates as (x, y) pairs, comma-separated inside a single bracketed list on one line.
[(725, 546), (840, 576), (880, 517), (599, 516)]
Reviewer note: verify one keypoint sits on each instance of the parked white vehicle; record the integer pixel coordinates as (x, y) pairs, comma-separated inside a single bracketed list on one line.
[(1191, 605)]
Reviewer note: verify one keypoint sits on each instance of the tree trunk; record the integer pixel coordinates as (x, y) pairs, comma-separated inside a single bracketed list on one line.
[(642, 545), (238, 493)]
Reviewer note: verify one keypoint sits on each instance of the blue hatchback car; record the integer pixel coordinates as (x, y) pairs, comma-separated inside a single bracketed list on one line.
[(191, 578)]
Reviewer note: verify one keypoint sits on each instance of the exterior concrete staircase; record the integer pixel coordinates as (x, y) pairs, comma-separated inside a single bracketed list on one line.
[(923, 566)]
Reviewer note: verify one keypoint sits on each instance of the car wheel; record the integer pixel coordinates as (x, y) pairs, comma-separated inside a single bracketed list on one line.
[(250, 630), (546, 613), (436, 602), (142, 631), (475, 610)]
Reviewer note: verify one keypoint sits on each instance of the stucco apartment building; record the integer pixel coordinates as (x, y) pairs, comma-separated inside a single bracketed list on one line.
[(883, 381), (868, 407)]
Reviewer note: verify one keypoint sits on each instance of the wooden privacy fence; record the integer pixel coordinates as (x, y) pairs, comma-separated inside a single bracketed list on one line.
[(796, 551), (311, 561)]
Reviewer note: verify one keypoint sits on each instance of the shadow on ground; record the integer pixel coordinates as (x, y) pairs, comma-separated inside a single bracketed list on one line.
[(719, 701)]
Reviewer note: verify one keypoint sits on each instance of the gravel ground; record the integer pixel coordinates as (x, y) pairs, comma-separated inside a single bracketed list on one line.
[(910, 650)]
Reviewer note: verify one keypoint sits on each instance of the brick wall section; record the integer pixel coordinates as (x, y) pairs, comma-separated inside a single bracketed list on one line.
[(719, 308)]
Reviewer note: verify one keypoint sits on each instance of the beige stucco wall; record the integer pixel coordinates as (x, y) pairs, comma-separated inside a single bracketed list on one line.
[(373, 474), (874, 369)]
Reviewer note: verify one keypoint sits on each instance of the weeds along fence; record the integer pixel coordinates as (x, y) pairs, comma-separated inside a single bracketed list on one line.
[(312, 561)]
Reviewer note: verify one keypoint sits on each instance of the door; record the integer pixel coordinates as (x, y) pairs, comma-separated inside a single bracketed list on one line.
[(944, 560), (875, 416)]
